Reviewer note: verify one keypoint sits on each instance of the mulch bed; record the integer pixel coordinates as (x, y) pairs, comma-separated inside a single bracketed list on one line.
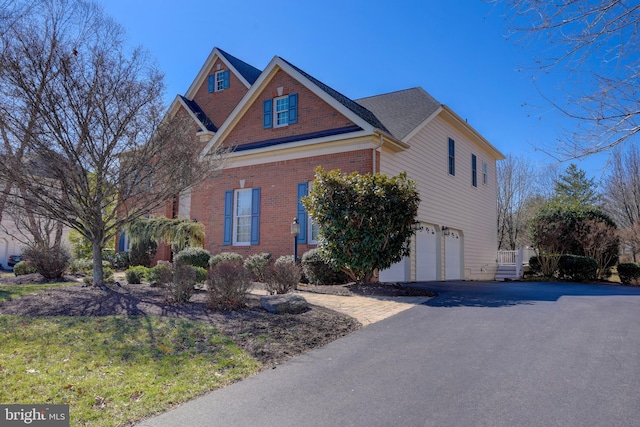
[(271, 339), (369, 289)]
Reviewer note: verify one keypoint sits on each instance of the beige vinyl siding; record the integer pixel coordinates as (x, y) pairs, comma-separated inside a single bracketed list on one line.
[(452, 201)]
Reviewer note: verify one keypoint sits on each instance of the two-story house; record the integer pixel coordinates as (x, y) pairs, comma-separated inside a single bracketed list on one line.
[(280, 123)]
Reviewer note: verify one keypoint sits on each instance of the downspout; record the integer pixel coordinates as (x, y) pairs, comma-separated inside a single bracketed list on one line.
[(375, 149)]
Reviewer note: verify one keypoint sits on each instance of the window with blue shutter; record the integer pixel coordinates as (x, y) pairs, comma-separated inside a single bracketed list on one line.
[(293, 108), (225, 79), (121, 245), (212, 82), (255, 216), (228, 217), (267, 109), (303, 189)]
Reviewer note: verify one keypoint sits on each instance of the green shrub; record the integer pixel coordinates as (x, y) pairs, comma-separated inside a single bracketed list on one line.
[(282, 277), (201, 274), (317, 271), (534, 265), (135, 275), (80, 265), (285, 259), (50, 262), (84, 265), (24, 267), (256, 265), (577, 268), (118, 260), (629, 272), (141, 253), (197, 257), (226, 257), (229, 284), (107, 276), (160, 274), (182, 284)]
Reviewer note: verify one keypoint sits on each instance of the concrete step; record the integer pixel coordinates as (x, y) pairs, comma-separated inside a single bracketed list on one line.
[(506, 272)]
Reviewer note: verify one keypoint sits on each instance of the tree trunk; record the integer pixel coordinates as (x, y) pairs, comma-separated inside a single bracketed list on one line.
[(98, 274)]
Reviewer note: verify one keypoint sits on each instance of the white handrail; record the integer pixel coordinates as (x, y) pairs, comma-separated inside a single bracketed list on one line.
[(507, 257)]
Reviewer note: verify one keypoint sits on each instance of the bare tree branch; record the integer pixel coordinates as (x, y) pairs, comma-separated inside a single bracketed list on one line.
[(596, 43), (84, 127)]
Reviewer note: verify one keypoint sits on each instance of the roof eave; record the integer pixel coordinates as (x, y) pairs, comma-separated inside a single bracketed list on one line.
[(463, 123)]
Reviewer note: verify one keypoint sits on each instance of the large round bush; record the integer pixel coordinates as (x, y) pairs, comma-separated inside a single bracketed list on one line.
[(198, 257)]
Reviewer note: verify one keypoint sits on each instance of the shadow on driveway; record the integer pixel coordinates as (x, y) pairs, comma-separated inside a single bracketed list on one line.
[(501, 294)]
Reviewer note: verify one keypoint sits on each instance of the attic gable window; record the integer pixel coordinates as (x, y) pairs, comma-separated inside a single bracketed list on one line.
[(280, 111), (219, 81)]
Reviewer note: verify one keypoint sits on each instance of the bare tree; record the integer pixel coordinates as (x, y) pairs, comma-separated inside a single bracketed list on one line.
[(83, 125), (622, 195), (596, 42), (516, 188)]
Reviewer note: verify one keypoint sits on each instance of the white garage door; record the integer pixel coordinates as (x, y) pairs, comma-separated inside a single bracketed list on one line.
[(426, 254), (453, 256), (396, 273)]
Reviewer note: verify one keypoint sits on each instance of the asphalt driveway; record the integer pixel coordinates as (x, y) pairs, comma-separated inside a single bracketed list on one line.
[(479, 354)]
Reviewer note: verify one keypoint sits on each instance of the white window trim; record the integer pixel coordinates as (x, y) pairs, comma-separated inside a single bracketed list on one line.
[(485, 178), (275, 111), (235, 218), (218, 82)]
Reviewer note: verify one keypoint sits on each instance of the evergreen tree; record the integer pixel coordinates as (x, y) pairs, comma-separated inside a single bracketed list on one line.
[(574, 188)]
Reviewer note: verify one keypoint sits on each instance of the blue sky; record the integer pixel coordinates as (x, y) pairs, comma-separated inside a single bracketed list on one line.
[(455, 49)]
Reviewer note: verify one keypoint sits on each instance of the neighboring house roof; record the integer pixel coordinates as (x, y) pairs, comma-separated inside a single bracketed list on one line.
[(249, 72), (359, 109), (402, 111), (199, 114)]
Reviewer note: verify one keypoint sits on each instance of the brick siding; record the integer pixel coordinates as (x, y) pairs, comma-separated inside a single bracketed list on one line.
[(314, 114), (278, 200)]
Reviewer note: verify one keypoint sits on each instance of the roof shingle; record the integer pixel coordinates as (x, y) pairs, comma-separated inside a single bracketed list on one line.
[(249, 72), (402, 111), (358, 109)]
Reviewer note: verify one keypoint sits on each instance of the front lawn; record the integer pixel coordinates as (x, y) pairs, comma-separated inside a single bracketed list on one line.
[(117, 369), (8, 292)]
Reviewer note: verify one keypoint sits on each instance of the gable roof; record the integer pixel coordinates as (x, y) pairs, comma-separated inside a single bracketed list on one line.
[(249, 72), (246, 73), (199, 114), (402, 111), (359, 109), (364, 120)]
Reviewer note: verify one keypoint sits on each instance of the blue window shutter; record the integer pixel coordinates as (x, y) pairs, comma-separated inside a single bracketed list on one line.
[(225, 77), (302, 212), (121, 247), (255, 216), (267, 109), (212, 82), (228, 217), (293, 108)]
